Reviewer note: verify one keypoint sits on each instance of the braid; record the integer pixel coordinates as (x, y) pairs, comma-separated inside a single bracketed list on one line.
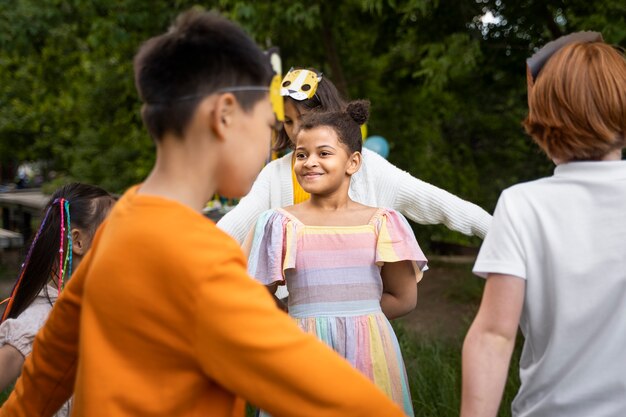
[(24, 266), (68, 254), (69, 237), (50, 255), (61, 244)]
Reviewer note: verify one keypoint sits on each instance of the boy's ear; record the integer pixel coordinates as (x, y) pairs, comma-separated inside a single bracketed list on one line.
[(79, 241), (354, 163), (222, 114)]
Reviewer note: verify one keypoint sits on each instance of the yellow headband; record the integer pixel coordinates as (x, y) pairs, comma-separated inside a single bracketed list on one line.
[(275, 96)]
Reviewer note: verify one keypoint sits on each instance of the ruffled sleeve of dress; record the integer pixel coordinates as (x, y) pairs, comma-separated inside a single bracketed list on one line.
[(273, 249), (20, 332), (396, 241)]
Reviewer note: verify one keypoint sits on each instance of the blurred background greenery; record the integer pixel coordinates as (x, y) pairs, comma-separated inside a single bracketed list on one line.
[(446, 80)]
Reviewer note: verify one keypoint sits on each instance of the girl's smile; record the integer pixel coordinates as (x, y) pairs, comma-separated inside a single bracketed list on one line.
[(312, 175), (321, 161)]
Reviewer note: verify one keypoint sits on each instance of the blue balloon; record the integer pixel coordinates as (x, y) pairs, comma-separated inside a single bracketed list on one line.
[(377, 144)]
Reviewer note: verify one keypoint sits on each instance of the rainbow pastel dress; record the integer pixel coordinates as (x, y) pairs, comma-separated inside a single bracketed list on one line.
[(335, 286)]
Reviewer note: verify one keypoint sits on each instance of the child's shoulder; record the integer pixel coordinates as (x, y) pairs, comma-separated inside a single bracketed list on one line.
[(297, 211), (272, 216), (392, 217), (389, 212), (373, 212), (355, 214), (363, 212), (273, 212), (293, 209)]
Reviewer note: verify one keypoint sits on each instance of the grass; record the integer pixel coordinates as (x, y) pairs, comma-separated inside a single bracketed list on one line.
[(465, 288), (434, 370), (434, 363)]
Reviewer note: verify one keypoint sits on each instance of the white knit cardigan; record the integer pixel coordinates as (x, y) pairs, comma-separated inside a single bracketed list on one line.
[(378, 184)]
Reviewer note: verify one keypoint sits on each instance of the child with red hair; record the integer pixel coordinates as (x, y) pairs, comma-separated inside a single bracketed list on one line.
[(554, 257)]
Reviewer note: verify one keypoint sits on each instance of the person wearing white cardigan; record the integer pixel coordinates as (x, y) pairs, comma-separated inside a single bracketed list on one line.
[(378, 183)]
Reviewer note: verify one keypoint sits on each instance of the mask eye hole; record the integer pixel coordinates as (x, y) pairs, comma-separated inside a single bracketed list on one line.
[(286, 83), (306, 87)]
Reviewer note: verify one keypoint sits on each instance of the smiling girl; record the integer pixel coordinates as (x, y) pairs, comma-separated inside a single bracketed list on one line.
[(348, 267)]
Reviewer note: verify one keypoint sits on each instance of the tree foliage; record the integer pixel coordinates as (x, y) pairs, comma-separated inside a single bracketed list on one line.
[(446, 84)]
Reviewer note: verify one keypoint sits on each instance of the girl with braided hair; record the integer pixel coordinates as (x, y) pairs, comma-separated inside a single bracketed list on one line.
[(70, 220)]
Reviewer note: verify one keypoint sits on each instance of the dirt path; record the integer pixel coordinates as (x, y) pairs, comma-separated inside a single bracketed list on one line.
[(448, 298)]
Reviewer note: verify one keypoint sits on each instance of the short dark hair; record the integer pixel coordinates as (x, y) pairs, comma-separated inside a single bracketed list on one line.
[(201, 53), (326, 98), (346, 123)]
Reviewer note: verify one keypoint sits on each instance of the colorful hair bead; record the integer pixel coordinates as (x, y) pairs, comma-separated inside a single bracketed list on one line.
[(25, 264), (67, 263), (61, 245)]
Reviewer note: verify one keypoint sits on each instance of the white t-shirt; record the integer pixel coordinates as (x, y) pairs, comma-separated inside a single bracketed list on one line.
[(566, 236)]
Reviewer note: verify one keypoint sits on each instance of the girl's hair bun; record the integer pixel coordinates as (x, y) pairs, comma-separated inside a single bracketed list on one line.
[(359, 111)]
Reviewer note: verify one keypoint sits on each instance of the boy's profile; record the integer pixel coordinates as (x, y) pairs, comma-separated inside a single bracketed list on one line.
[(143, 328)]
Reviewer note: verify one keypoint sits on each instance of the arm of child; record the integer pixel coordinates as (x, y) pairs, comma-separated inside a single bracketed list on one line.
[(257, 352), (11, 361), (399, 289), (240, 219), (425, 203), (48, 374), (489, 344), (246, 247)]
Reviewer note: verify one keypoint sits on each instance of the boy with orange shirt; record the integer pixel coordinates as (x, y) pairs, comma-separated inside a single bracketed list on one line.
[(143, 328)]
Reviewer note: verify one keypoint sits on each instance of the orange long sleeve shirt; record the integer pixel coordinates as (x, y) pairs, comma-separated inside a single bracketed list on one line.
[(161, 319)]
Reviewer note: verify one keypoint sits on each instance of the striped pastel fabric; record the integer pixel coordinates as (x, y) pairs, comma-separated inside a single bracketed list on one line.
[(335, 286)]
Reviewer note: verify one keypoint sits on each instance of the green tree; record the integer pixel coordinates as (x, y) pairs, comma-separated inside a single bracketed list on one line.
[(447, 85)]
